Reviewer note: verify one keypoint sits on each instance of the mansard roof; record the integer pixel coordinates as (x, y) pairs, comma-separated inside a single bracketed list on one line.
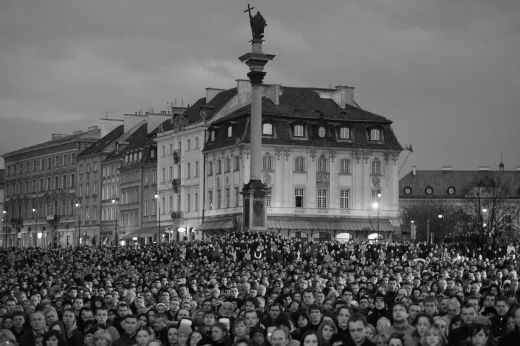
[(305, 106), (99, 146)]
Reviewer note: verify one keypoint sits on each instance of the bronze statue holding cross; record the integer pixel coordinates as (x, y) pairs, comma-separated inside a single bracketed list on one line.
[(257, 23)]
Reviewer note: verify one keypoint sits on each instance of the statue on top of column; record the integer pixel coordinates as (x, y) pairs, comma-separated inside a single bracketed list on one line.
[(257, 23)]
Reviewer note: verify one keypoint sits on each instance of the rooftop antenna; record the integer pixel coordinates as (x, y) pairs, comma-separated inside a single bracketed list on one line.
[(501, 165)]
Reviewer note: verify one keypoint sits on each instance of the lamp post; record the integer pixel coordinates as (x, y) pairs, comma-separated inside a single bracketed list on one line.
[(4, 221), (79, 222), (441, 217), (116, 235), (375, 206), (158, 218), (35, 216)]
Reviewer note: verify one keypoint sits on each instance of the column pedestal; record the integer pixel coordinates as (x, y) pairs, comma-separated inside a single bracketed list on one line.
[(255, 209)]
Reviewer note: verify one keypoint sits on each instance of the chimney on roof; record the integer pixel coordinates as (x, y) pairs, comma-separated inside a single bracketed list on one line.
[(414, 170), (447, 168), (211, 93), (346, 94), (483, 168), (273, 92)]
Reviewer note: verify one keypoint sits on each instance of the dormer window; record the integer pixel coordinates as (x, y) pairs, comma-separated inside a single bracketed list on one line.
[(321, 132), (375, 134), (344, 133), (298, 131), (212, 136), (230, 131), (267, 129)]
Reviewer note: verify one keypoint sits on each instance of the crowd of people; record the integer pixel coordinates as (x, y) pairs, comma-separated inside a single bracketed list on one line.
[(261, 289)]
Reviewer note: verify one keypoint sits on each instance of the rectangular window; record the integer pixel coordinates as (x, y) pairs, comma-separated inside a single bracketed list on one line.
[(228, 164), (298, 197), (237, 196), (188, 202), (344, 198), (196, 168), (219, 197), (236, 163), (210, 167), (188, 170), (375, 135), (299, 164), (210, 199), (345, 166), (376, 167), (163, 174), (322, 198), (219, 167), (268, 200), (171, 203), (73, 159), (196, 206), (170, 169), (228, 197), (267, 163)]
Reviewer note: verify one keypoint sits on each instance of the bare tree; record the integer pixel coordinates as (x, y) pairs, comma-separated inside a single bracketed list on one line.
[(493, 206)]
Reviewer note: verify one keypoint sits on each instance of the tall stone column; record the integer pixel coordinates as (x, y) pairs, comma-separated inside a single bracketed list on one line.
[(254, 216)]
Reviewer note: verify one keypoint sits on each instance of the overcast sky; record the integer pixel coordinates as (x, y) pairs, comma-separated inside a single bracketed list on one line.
[(447, 72)]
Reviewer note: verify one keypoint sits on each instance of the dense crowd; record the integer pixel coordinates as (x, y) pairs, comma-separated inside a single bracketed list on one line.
[(250, 289)]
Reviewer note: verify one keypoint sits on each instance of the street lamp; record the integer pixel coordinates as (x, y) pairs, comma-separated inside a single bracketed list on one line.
[(441, 217), (116, 235), (35, 216), (79, 222), (375, 205), (159, 219), (4, 220)]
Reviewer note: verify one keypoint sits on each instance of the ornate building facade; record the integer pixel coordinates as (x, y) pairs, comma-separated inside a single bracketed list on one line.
[(41, 190)]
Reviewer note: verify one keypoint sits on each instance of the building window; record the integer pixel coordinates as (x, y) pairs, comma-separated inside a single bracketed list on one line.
[(163, 174), (188, 145), (322, 198), (375, 134), (219, 167), (345, 166), (323, 164), (188, 202), (237, 196), (298, 197), (407, 190), (268, 200), (219, 198), (267, 129), (228, 164), (321, 132), (429, 190), (228, 197), (344, 133), (230, 131), (196, 168), (210, 167), (236, 163), (376, 167), (299, 164), (267, 163), (210, 199), (196, 142), (298, 131), (188, 170), (196, 206), (344, 198), (212, 136)]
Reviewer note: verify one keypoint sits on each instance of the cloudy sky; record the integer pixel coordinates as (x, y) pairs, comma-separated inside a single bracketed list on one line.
[(447, 72)]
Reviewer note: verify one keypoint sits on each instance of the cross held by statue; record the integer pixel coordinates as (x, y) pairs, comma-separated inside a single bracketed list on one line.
[(249, 9)]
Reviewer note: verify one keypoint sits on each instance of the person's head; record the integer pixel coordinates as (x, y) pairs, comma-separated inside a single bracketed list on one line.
[(400, 312), (382, 324), (422, 323), (51, 316), (279, 337), (380, 340), (68, 317), (37, 321), (396, 339), (240, 327), (515, 313), (315, 314), (434, 336), (357, 328), (257, 335), (172, 334), (218, 332), (310, 339), (210, 318), (184, 332), (102, 337), (468, 313), (252, 318), (343, 316), (502, 306), (7, 338), (194, 338), (480, 334), (52, 338), (144, 335), (101, 316), (442, 323), (129, 324), (326, 329)]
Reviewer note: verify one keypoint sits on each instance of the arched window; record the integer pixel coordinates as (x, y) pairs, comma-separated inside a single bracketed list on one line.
[(345, 166), (299, 164), (299, 131), (344, 237), (323, 164), (267, 163), (376, 167), (344, 133), (267, 129)]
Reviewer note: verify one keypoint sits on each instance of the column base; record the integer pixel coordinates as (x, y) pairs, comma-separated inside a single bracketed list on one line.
[(255, 209)]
